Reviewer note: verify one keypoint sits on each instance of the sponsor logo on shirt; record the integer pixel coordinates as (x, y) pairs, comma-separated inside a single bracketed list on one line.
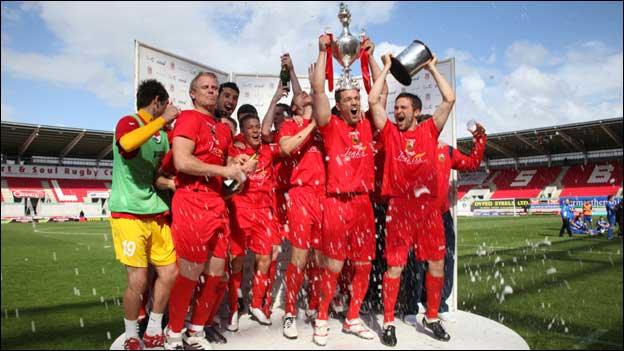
[(408, 155)]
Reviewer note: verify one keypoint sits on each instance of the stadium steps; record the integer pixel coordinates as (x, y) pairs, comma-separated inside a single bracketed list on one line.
[(7, 195), (48, 191), (564, 171)]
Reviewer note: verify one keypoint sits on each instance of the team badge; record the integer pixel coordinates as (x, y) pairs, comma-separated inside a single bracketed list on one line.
[(355, 137)]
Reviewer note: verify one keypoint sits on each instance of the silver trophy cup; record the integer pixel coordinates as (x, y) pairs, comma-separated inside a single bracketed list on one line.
[(345, 49), (410, 61)]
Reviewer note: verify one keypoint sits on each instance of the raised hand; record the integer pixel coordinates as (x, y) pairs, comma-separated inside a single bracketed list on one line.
[(324, 41), (431, 64), (171, 113), (287, 61), (387, 60)]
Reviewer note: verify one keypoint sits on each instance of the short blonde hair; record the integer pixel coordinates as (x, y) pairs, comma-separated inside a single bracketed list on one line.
[(193, 84)]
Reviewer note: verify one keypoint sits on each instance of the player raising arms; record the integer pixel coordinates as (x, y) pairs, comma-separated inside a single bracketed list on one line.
[(410, 181), (348, 222)]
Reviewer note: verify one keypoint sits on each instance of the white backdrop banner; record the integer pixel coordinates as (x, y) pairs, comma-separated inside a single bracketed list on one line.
[(173, 71)]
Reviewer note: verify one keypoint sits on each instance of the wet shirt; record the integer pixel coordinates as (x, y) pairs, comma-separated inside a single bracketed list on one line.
[(258, 189), (409, 168), (349, 156), (212, 140), (305, 165)]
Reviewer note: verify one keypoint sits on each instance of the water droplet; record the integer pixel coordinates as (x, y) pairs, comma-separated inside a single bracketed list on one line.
[(551, 270), (32, 325), (94, 292), (81, 323), (17, 313), (76, 270), (54, 256), (108, 336)]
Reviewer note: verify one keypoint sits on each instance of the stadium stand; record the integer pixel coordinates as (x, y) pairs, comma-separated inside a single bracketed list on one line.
[(581, 161), (58, 172), (593, 179), (54, 172)]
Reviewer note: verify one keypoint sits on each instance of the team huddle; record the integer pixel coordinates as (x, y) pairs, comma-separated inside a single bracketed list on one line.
[(191, 200)]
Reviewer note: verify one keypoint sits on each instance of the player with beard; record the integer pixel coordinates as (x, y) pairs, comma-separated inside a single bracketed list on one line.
[(227, 100), (349, 227), (410, 182)]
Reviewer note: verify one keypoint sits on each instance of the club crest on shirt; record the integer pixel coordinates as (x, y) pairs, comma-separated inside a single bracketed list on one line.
[(441, 157), (409, 155), (356, 142), (157, 138), (409, 146)]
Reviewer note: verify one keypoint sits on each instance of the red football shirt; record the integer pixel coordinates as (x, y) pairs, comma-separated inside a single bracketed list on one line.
[(456, 160), (257, 192), (409, 168), (212, 140), (305, 166), (349, 150)]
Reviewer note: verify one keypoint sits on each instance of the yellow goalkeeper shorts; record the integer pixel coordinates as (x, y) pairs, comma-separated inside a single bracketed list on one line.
[(139, 242)]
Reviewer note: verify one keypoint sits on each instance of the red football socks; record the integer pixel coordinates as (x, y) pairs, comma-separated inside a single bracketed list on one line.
[(433, 285), (206, 300), (294, 279), (328, 289), (314, 283), (359, 286), (390, 292), (179, 301), (260, 283), (215, 307), (268, 300), (234, 286)]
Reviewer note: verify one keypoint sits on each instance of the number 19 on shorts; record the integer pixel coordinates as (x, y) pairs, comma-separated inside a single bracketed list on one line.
[(129, 247)]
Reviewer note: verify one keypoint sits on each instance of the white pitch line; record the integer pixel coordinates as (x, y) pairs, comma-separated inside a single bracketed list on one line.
[(544, 248), (75, 233)]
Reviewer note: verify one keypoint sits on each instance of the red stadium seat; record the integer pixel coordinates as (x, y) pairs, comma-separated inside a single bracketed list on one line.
[(595, 179), (64, 190), (526, 183)]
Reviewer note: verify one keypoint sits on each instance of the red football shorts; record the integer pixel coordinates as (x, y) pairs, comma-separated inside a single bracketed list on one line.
[(253, 229), (305, 217), (200, 226), (416, 223), (349, 227)]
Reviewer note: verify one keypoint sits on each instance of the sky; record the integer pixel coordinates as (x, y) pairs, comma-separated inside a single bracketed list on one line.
[(518, 65)]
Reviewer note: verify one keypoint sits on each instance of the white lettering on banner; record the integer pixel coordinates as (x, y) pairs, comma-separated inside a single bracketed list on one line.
[(601, 174), (29, 193), (524, 177), (59, 193), (99, 194), (58, 172)]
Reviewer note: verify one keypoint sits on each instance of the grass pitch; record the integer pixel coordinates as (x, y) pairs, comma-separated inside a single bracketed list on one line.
[(62, 288)]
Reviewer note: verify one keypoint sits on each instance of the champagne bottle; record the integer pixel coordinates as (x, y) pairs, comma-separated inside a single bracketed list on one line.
[(232, 185), (285, 77)]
